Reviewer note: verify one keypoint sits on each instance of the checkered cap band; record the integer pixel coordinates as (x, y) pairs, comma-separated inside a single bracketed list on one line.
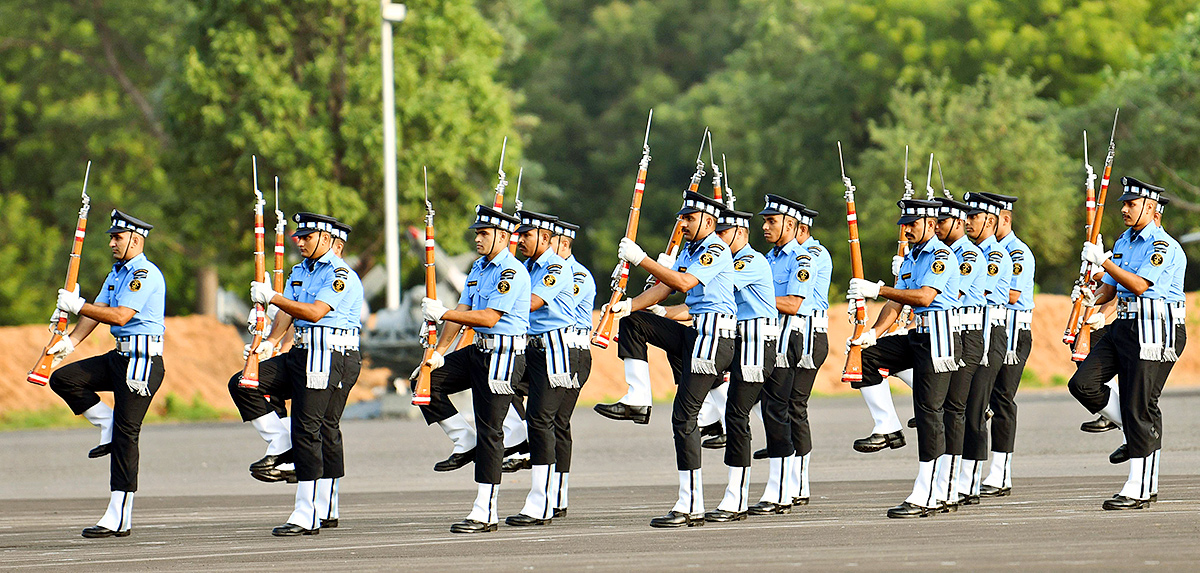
[(910, 211), (734, 221), (953, 212), (564, 231), (340, 234), (539, 224), (122, 223), (985, 206), (702, 207), (504, 224), (317, 225), (1145, 192), (785, 209)]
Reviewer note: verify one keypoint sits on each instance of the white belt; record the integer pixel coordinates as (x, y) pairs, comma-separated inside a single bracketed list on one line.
[(922, 321), (767, 327), (154, 344), (1024, 319), (1178, 312), (998, 314), (819, 319), (488, 342), (340, 339), (575, 337), (1127, 309), (970, 318)]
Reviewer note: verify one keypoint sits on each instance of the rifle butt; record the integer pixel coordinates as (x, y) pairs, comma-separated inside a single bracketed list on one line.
[(1069, 333), (249, 377), (852, 372), (602, 336), (1083, 343), (421, 392)]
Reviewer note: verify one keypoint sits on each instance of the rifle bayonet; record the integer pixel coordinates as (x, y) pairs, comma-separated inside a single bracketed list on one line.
[(929, 180)]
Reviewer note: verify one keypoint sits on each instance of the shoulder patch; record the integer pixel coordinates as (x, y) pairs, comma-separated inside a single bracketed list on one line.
[(549, 280), (964, 268), (1017, 255), (803, 258), (508, 273), (554, 268), (938, 267), (341, 272), (141, 273), (706, 259), (339, 285), (803, 275), (941, 254), (1163, 244), (995, 256), (1156, 259), (993, 269), (815, 249), (1017, 268), (739, 264), (576, 293), (580, 277), (502, 287), (970, 256), (135, 285)]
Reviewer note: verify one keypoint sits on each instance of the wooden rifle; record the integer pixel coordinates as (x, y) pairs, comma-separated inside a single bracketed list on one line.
[(852, 372), (249, 377), (672, 250), (40, 374), (905, 315), (602, 334), (467, 334), (728, 189), (1077, 322), (429, 341), (280, 229)]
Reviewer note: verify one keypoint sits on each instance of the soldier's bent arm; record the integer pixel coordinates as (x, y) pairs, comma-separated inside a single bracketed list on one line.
[(110, 315), (482, 318), (678, 281), (1013, 296), (449, 332), (887, 315), (650, 297), (1135, 283), (912, 297), (310, 311), (789, 304), (279, 327), (82, 329)]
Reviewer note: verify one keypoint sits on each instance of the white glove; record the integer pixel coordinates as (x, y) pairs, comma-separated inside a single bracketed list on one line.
[(1094, 253), (1096, 320), (262, 293), (630, 251), (619, 310), (61, 349), (897, 260), (70, 301), (866, 339), (436, 360), (665, 260), (432, 309), (1074, 293), (863, 288), (264, 350), (1088, 297), (657, 309)]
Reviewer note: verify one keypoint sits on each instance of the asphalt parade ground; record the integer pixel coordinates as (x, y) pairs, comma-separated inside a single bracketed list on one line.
[(197, 509)]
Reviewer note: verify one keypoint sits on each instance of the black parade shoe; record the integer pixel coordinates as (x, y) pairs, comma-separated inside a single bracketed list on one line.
[(876, 442), (97, 532), (677, 519)]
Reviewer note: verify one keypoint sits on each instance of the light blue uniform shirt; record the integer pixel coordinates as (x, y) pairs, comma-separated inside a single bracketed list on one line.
[(785, 269), (971, 272), (814, 270), (1149, 255), (551, 280), (931, 264), (753, 288), (1023, 267), (999, 272), (585, 293), (710, 262), (1176, 292), (327, 279), (136, 284), (500, 284)]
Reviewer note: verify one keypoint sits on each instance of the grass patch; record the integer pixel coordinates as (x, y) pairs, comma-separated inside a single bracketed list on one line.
[(170, 409), (1031, 379)]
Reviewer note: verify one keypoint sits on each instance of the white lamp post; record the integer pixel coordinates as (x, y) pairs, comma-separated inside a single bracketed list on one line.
[(390, 13)]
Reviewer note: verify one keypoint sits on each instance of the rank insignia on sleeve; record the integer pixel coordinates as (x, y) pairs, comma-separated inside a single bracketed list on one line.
[(548, 280), (993, 269), (341, 272), (141, 273), (554, 268), (814, 250), (969, 256), (739, 265), (938, 267), (802, 275), (964, 269), (1017, 268), (502, 287), (339, 285), (1156, 259), (508, 274), (706, 259), (135, 285), (941, 254)]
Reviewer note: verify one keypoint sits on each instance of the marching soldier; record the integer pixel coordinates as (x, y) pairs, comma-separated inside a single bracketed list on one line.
[(323, 300), (1142, 283), (548, 376), (983, 216), (697, 353), (1020, 340), (584, 292), (929, 285), (970, 324), (781, 227), (131, 302), (754, 357), (496, 304)]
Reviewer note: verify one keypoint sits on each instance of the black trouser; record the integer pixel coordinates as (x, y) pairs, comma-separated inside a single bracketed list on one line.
[(581, 366), (333, 454), (1004, 396), (802, 384), (545, 402), (975, 430), (971, 343), (901, 352), (275, 377), (642, 328), (468, 368), (776, 402), (310, 410), (742, 396), (1139, 382), (77, 384)]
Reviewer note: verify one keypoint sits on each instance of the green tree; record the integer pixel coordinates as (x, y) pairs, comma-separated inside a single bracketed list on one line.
[(299, 84)]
